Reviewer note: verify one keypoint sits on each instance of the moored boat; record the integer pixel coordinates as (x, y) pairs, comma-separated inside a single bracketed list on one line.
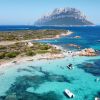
[(70, 66), (69, 93)]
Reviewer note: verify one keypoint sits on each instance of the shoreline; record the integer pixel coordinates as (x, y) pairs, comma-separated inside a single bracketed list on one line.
[(5, 62), (55, 37), (47, 56), (20, 59), (64, 53)]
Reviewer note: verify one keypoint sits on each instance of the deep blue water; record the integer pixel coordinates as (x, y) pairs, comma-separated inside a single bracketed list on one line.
[(89, 35)]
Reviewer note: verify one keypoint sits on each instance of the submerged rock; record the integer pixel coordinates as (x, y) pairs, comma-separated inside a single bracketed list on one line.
[(35, 96), (11, 97), (2, 97), (93, 68)]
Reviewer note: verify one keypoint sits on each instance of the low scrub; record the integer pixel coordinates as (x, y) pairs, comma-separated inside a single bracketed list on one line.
[(11, 54), (30, 53)]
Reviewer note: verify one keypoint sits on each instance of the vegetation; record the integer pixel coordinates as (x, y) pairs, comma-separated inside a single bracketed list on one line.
[(30, 53), (2, 55), (29, 34), (22, 48), (11, 54)]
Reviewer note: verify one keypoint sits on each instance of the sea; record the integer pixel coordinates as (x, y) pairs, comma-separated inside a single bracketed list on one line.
[(48, 79)]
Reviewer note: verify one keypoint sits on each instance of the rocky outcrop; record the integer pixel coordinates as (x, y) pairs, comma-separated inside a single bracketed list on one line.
[(87, 52), (64, 16)]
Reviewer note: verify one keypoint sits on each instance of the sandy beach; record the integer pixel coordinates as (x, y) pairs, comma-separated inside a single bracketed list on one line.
[(20, 59), (48, 56)]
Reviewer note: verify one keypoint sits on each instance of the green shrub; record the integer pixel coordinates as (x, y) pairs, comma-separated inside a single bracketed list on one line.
[(44, 47), (55, 51), (30, 53), (11, 54), (10, 37), (2, 55), (41, 51), (2, 47)]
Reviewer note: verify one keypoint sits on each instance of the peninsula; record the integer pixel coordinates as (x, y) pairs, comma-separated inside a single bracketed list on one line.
[(15, 45)]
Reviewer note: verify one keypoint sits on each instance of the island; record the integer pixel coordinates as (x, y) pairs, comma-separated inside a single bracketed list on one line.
[(16, 45), (64, 17)]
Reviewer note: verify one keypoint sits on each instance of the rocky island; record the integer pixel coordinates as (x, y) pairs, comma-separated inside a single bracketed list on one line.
[(65, 17)]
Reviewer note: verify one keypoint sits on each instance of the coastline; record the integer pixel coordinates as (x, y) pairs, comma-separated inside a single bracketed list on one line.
[(4, 62), (20, 59), (47, 56), (55, 37)]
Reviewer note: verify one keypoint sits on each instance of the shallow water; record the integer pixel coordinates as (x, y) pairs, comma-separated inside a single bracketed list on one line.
[(43, 76), (47, 79)]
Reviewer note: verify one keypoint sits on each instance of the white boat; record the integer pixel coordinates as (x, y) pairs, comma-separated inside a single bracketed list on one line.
[(69, 94), (96, 98)]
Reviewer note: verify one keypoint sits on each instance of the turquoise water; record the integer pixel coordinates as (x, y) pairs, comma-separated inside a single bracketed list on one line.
[(47, 79), (82, 84), (55, 77)]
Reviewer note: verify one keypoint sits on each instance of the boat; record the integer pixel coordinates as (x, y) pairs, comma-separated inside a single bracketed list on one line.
[(69, 93), (96, 98), (70, 66)]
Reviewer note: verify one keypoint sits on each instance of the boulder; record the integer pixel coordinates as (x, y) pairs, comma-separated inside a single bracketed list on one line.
[(87, 52)]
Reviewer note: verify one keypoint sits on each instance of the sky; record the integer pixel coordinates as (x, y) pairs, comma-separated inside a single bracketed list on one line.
[(26, 12)]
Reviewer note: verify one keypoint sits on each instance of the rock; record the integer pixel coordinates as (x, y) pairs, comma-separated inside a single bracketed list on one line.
[(29, 44), (2, 97), (87, 52)]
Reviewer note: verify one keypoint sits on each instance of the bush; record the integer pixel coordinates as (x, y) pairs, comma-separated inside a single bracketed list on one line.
[(41, 51), (11, 54), (44, 47), (2, 55), (55, 51), (10, 37), (30, 53), (2, 47)]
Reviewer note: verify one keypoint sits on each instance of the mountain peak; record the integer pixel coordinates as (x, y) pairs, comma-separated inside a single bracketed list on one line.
[(64, 16)]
